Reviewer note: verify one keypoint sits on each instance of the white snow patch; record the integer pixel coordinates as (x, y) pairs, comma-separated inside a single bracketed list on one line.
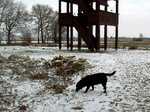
[(128, 90)]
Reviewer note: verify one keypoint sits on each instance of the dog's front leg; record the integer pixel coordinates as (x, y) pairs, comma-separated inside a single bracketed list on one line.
[(92, 88), (87, 89)]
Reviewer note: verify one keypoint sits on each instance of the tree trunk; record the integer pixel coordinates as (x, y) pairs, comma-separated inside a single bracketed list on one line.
[(38, 35), (9, 36), (42, 35)]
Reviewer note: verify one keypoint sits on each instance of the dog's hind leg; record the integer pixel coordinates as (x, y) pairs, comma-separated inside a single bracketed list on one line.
[(87, 89), (104, 86)]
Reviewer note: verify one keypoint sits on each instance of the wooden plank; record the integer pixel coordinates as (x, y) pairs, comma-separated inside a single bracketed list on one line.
[(67, 37)]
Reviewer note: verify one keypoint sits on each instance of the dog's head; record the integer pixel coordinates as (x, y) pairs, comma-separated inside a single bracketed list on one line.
[(78, 87)]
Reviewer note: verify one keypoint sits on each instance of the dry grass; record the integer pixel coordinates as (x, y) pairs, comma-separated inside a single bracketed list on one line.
[(55, 74), (77, 108), (122, 44)]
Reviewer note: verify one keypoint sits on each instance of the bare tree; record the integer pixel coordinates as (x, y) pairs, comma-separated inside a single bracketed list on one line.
[(26, 33), (26, 28), (13, 17), (54, 29), (141, 35), (140, 38), (42, 15), (3, 6)]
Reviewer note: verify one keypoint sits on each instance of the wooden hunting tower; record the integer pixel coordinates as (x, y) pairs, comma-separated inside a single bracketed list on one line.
[(89, 14)]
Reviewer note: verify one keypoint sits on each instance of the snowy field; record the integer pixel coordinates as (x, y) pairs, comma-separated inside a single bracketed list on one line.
[(127, 91)]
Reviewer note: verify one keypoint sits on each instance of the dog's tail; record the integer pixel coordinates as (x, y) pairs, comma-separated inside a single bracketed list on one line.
[(111, 74)]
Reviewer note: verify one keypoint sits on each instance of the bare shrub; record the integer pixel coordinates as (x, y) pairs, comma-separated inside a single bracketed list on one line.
[(133, 47), (57, 72)]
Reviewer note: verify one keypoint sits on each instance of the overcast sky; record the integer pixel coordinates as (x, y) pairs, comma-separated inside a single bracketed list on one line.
[(134, 15)]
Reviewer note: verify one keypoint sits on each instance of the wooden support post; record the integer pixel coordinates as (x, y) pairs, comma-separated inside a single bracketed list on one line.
[(59, 6), (116, 43), (98, 36), (67, 27), (71, 31), (97, 29), (79, 37), (97, 6), (105, 37), (67, 7), (105, 33), (117, 12), (90, 37), (91, 31), (59, 25), (67, 37), (79, 41), (59, 36)]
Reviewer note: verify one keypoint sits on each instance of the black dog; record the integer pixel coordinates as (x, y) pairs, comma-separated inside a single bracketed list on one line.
[(91, 80)]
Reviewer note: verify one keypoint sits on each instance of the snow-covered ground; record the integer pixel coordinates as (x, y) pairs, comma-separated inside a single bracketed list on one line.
[(127, 91)]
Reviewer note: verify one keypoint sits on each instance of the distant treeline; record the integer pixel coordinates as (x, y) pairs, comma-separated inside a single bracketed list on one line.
[(17, 22), (131, 38)]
